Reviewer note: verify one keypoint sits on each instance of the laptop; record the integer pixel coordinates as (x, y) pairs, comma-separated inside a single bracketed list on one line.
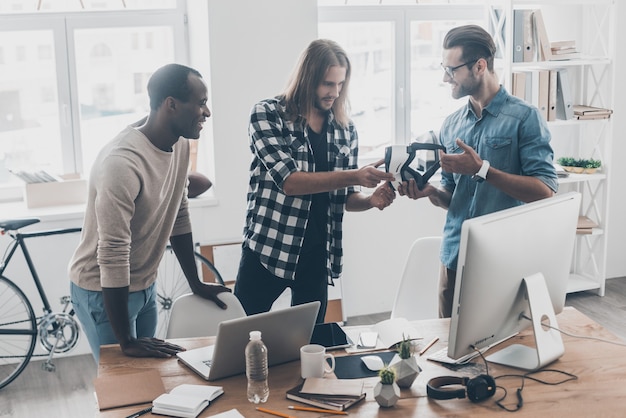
[(283, 331)]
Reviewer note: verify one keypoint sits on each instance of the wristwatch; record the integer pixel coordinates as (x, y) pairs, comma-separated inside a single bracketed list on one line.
[(482, 173)]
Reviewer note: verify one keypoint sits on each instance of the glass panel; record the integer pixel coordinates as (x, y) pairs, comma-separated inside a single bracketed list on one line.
[(431, 99), (113, 66), (370, 48), (30, 136)]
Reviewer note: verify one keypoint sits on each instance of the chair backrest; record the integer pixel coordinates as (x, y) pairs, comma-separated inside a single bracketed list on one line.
[(417, 296), (194, 316)]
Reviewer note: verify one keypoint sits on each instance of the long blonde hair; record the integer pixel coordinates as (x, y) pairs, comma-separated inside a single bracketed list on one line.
[(300, 95)]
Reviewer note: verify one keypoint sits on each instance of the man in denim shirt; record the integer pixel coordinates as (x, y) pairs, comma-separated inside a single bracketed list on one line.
[(498, 152), (303, 177)]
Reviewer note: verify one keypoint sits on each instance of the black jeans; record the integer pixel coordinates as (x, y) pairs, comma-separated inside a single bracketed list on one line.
[(257, 289)]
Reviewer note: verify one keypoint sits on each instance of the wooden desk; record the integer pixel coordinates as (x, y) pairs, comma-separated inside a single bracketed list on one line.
[(599, 390)]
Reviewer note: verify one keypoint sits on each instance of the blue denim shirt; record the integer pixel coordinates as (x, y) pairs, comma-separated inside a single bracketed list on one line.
[(513, 137)]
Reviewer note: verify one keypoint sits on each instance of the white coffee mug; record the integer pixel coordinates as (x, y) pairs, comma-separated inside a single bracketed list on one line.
[(313, 361)]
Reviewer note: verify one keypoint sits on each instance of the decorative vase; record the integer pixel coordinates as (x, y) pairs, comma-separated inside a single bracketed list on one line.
[(407, 370), (386, 394)]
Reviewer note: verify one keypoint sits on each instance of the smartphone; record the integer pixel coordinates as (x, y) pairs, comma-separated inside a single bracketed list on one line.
[(331, 336)]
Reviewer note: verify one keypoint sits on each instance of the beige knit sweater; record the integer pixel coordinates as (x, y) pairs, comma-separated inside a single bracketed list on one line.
[(137, 199)]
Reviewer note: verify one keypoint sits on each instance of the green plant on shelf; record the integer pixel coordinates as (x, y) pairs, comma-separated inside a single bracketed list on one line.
[(579, 162)]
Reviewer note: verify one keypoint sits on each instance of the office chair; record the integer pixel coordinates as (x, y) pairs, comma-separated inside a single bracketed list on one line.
[(417, 296), (194, 316)]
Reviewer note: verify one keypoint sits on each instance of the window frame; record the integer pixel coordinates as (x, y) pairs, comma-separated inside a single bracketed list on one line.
[(63, 26), (401, 17)]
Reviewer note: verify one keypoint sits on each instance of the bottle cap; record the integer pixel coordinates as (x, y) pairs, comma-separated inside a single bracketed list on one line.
[(255, 335)]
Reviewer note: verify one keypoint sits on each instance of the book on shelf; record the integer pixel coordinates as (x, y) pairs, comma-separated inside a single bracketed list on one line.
[(319, 394), (186, 400), (585, 225), (593, 116), (563, 44), (584, 110)]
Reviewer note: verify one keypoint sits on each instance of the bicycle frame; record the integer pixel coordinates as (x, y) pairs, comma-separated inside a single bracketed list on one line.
[(19, 241)]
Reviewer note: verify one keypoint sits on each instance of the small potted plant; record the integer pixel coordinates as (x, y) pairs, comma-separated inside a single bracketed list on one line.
[(387, 392), (405, 364)]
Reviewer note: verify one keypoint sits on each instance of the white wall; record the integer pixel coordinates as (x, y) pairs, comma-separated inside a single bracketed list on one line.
[(253, 47)]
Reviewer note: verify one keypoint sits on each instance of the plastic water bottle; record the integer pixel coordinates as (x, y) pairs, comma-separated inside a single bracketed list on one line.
[(256, 368)]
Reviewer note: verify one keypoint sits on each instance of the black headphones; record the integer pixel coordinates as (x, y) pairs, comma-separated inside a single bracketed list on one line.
[(479, 388)]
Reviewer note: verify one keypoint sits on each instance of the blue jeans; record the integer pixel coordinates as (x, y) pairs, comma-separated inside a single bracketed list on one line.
[(89, 308)]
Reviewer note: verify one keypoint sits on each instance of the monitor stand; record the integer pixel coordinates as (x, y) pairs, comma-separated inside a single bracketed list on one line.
[(548, 341)]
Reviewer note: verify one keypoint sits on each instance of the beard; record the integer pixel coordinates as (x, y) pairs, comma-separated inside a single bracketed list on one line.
[(467, 88)]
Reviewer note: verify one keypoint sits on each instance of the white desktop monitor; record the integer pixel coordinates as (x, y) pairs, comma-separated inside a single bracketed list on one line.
[(502, 257)]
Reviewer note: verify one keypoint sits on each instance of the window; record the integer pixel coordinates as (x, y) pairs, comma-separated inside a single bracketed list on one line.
[(71, 81), (397, 90)]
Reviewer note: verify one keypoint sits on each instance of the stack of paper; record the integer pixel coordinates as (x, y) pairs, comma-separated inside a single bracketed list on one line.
[(186, 401)]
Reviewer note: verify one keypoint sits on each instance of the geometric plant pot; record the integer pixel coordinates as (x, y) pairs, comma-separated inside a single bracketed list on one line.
[(407, 370), (386, 395)]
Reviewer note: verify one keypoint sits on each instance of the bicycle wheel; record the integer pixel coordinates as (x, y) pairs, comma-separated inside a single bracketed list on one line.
[(18, 331), (171, 283)]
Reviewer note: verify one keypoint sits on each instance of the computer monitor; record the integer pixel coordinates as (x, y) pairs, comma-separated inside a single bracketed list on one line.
[(514, 264)]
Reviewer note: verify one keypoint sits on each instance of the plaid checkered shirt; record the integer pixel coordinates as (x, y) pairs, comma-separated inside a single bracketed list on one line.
[(276, 223)]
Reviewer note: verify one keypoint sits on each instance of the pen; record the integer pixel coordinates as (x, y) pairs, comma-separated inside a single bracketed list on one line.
[(323, 411), (430, 344), (140, 413), (269, 411)]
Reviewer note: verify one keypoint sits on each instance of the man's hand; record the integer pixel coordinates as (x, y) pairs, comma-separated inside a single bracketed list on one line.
[(371, 176), (150, 347), (468, 162), (382, 197), (210, 291), (410, 189)]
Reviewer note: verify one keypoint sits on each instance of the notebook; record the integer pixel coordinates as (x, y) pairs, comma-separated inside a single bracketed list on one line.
[(283, 331)]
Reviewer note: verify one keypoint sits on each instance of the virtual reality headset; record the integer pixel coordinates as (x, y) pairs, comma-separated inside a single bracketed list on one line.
[(398, 160)]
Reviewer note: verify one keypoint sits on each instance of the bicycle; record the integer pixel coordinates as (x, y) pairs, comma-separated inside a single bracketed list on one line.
[(58, 332), (19, 326)]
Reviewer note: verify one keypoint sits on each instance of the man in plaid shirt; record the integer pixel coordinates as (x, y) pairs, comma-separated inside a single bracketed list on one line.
[(303, 177)]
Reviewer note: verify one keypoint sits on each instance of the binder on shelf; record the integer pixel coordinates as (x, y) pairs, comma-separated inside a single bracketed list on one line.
[(518, 85), (564, 103), (543, 92), (529, 37), (518, 35), (552, 96), (543, 44)]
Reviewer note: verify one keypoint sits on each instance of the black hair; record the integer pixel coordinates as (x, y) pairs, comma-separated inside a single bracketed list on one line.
[(170, 81), (475, 42)]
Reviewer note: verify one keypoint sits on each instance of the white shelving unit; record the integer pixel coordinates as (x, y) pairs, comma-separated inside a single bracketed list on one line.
[(591, 23)]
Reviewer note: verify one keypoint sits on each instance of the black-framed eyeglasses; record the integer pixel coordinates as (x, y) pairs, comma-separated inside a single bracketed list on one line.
[(450, 70)]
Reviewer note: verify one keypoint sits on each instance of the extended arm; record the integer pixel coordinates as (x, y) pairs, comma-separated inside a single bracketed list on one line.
[(523, 188), (116, 306), (300, 183)]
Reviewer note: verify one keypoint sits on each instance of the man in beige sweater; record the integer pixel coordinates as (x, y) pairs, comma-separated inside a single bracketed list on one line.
[(137, 201)]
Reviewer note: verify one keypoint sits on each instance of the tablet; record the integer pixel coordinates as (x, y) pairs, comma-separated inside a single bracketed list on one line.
[(331, 336)]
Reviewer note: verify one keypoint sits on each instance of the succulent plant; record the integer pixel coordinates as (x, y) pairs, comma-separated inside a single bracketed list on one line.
[(405, 348), (387, 375)]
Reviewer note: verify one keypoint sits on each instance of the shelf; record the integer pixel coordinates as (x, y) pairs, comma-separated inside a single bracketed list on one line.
[(553, 64), (579, 283), (579, 178)]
